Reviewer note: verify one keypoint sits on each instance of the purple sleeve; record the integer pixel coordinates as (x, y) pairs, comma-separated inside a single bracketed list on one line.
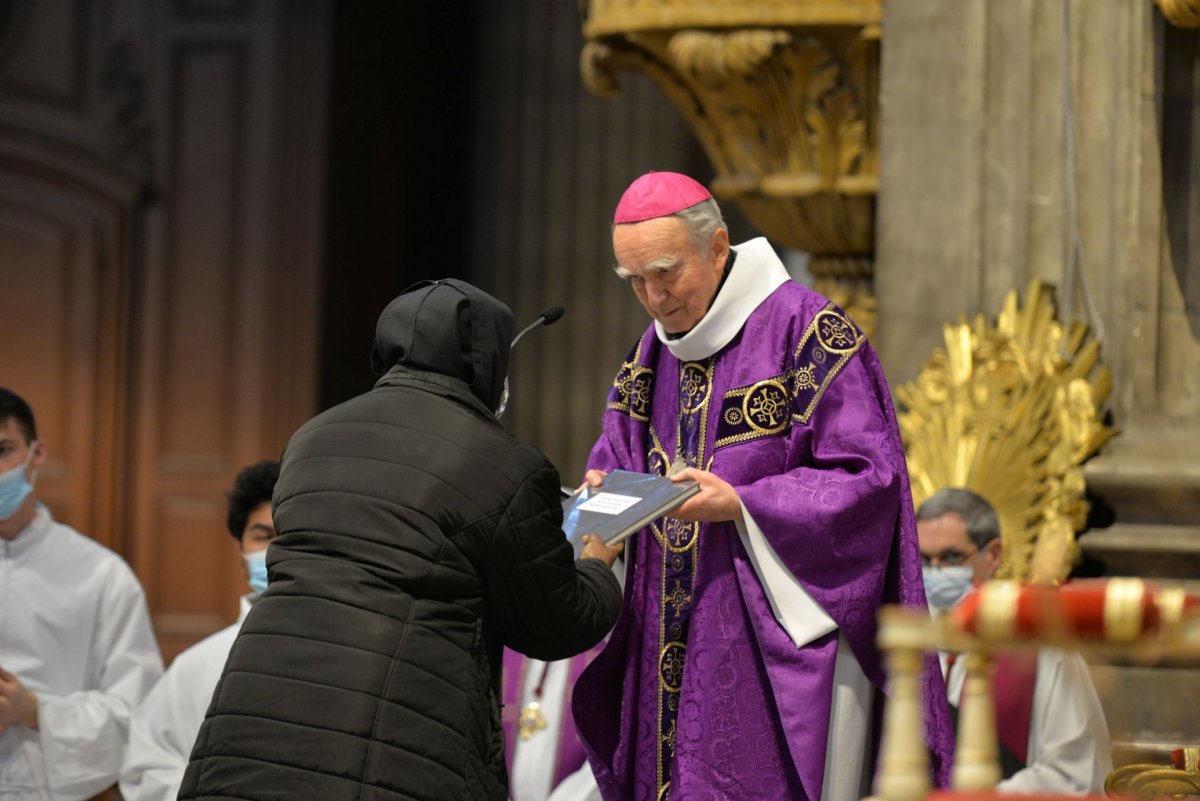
[(828, 498)]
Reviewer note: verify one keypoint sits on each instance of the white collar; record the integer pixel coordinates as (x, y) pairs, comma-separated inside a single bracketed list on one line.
[(244, 603), (756, 273), (33, 533)]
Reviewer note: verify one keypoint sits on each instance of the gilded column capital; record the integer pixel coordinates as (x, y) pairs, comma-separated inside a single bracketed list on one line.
[(783, 97), (1184, 13)]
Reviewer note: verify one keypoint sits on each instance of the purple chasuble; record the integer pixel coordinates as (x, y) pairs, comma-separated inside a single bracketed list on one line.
[(569, 756), (701, 693)]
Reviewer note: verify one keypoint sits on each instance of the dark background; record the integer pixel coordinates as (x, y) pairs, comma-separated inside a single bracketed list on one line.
[(398, 206)]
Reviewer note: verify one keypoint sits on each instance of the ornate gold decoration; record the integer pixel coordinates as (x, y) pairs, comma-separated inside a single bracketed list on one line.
[(783, 96), (804, 378), (835, 333), (998, 610), (847, 282), (695, 386), (1148, 780), (1012, 411), (1144, 780), (668, 740), (1170, 603), (681, 535), (829, 332), (670, 666), (605, 17), (1184, 13), (531, 720), (679, 598), (765, 406), (1123, 609)]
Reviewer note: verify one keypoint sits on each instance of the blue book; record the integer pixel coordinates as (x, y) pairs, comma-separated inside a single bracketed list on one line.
[(625, 503)]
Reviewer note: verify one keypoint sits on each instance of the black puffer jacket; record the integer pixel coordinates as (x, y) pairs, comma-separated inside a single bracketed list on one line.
[(416, 537)]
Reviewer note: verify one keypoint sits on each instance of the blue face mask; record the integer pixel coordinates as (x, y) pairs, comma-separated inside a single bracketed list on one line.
[(256, 570), (15, 487), (946, 586)]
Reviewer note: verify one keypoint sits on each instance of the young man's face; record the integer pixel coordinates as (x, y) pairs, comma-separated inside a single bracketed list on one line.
[(17, 451), (14, 448), (259, 530)]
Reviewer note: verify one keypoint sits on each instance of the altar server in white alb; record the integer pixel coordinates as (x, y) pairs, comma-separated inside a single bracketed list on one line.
[(77, 653), (165, 725), (1050, 726)]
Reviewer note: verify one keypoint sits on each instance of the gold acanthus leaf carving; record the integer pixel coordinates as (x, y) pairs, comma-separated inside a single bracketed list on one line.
[(595, 67), (783, 104), (785, 115), (1183, 13), (1012, 411), (718, 58)]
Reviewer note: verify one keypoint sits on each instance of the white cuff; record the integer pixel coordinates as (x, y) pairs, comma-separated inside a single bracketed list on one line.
[(800, 615)]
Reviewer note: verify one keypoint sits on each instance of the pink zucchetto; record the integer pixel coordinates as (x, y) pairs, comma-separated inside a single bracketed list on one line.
[(658, 194)]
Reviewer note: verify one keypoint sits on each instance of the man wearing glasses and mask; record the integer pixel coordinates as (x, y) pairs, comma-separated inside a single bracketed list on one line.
[(1049, 723)]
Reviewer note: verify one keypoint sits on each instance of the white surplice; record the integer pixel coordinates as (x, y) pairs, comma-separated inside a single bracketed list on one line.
[(74, 628), (165, 726), (1069, 749)]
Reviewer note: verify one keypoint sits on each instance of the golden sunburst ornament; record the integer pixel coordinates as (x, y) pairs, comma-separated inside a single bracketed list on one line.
[(1012, 411)]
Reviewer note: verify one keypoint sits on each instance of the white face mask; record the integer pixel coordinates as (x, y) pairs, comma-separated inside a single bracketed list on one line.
[(946, 586)]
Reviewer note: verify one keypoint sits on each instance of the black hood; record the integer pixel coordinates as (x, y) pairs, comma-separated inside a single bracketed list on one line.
[(447, 327)]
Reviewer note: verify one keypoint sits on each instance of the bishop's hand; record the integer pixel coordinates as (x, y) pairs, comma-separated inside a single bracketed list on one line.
[(716, 502)]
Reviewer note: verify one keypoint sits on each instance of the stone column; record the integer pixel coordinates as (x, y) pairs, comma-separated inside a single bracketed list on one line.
[(973, 202)]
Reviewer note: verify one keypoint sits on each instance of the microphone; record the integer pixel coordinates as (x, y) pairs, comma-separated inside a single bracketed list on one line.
[(549, 316)]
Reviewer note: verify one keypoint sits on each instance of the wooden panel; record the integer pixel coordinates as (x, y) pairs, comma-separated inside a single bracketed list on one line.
[(213, 299), (63, 286), (196, 575), (46, 62), (197, 351), (37, 277), (218, 106)]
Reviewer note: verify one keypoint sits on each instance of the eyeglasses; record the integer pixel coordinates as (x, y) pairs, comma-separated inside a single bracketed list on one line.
[(950, 557)]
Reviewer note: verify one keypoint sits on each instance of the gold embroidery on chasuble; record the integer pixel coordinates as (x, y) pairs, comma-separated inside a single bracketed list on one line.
[(632, 388), (830, 341), (771, 406), (679, 541)]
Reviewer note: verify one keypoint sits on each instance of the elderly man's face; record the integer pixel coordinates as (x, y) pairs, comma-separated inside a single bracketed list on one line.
[(673, 279)]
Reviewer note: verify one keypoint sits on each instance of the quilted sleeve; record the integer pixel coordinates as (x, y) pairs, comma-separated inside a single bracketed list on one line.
[(545, 604)]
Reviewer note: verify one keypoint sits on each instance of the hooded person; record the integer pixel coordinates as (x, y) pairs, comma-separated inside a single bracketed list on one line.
[(416, 539)]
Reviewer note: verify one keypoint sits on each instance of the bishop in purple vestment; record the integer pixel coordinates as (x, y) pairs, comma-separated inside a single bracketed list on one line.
[(744, 662)]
